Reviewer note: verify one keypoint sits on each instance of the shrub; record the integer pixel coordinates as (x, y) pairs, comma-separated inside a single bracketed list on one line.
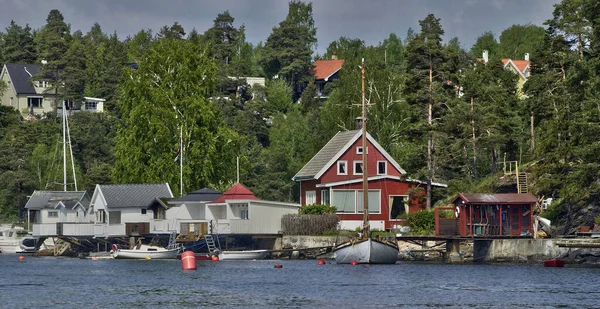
[(421, 222), (317, 209)]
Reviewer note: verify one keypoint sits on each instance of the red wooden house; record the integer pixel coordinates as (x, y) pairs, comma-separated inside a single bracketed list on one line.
[(504, 214), (334, 176)]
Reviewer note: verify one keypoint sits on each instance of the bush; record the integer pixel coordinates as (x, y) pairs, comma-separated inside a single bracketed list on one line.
[(421, 222), (317, 209)]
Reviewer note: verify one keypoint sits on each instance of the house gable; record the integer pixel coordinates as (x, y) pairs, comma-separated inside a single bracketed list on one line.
[(325, 69)]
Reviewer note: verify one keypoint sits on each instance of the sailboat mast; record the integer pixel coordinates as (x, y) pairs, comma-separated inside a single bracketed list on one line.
[(64, 147), (181, 161), (366, 228)]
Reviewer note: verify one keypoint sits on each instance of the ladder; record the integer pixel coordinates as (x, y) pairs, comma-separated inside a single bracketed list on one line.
[(522, 182), (173, 241), (210, 243)]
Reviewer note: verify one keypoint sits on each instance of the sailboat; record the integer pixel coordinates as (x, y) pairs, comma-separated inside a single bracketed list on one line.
[(366, 250)]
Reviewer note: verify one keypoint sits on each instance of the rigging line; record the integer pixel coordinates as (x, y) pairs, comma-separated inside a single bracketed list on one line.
[(71, 151)]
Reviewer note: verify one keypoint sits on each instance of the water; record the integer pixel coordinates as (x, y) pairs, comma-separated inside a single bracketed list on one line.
[(78, 283)]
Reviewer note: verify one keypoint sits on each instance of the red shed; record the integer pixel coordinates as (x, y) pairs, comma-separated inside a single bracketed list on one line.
[(504, 214), (334, 176)]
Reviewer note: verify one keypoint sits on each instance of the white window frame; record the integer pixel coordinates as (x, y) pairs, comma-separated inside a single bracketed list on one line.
[(355, 163), (310, 197), (35, 97), (359, 150), (323, 192), (345, 164), (53, 214), (384, 168)]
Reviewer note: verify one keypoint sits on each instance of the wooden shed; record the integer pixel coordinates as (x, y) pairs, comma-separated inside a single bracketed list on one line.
[(504, 214)]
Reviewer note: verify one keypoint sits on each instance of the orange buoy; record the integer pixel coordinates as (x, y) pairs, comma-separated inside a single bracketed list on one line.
[(354, 262), (94, 258), (21, 258), (188, 260), (278, 266), (321, 262), (215, 258)]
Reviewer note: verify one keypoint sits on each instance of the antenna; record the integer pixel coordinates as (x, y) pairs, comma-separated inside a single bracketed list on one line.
[(238, 169)]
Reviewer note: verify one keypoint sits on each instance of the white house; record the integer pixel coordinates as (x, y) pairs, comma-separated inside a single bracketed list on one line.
[(130, 210), (58, 213), (189, 212)]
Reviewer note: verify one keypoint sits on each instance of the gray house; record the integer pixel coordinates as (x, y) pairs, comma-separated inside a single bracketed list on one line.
[(55, 213)]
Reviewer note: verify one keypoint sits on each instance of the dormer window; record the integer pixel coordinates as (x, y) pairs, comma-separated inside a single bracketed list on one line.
[(381, 167), (342, 168), (358, 168)]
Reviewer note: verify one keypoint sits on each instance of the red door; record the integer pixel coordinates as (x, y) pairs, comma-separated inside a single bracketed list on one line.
[(515, 220)]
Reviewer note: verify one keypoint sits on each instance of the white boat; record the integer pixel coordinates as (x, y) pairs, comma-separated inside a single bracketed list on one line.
[(366, 250), (16, 239), (145, 252), (243, 255)]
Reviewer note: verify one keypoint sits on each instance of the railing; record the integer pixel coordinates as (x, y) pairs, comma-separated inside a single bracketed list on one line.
[(78, 229), (44, 229)]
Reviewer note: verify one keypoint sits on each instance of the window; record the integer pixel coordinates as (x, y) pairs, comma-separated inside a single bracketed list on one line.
[(244, 212), (342, 168), (11, 101), (311, 197), (101, 216), (144, 211), (381, 168), (398, 207), (374, 201), (358, 168), (359, 150), (53, 214), (344, 200), (114, 217), (91, 105), (325, 197), (35, 101)]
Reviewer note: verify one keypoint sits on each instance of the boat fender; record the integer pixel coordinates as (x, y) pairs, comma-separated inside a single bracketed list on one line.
[(114, 247)]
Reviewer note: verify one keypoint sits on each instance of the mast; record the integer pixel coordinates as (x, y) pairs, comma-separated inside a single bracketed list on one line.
[(64, 115), (366, 227), (181, 161)]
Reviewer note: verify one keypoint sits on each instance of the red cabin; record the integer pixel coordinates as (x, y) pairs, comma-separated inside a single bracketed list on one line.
[(505, 214), (334, 176)]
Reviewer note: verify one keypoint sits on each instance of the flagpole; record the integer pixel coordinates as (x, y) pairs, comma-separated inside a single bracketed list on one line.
[(181, 161)]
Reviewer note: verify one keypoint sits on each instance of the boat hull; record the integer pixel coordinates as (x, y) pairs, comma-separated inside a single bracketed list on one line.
[(142, 254), (243, 255), (554, 263), (366, 251)]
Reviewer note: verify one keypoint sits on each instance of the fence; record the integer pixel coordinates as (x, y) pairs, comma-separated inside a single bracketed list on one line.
[(294, 224)]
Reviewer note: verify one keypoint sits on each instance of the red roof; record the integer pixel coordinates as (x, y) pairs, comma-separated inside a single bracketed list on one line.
[(323, 69), (498, 198), (520, 64), (237, 192)]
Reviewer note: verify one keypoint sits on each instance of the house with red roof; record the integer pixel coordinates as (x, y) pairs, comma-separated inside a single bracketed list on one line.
[(334, 176), (236, 211), (520, 67), (325, 71)]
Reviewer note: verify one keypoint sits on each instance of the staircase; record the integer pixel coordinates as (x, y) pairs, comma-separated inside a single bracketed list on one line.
[(522, 182), (210, 243), (512, 168)]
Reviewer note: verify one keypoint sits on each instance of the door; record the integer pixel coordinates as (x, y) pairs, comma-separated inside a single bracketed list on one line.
[(515, 220)]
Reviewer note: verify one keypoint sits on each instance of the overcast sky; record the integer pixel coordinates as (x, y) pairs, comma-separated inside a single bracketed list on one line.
[(369, 20)]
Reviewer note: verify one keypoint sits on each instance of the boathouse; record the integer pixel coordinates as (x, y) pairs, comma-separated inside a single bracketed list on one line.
[(488, 215), (334, 176)]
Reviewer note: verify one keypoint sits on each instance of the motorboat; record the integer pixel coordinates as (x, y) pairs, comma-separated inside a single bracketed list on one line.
[(141, 251), (243, 255), (16, 239)]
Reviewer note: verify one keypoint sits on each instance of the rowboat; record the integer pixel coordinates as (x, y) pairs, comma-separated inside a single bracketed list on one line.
[(144, 252), (243, 255)]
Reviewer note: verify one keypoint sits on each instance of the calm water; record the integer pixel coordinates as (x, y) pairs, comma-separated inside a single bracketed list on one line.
[(77, 283)]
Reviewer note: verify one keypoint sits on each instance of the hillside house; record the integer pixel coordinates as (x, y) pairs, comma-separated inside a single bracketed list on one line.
[(326, 71), (24, 93), (334, 176)]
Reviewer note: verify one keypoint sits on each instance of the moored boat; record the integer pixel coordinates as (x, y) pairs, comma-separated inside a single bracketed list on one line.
[(16, 240), (141, 251), (367, 251), (554, 263), (243, 255)]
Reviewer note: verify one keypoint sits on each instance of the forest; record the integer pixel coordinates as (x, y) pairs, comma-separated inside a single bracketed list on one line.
[(443, 114)]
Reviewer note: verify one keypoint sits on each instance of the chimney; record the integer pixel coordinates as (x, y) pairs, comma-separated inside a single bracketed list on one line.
[(334, 56), (485, 56), (526, 56), (358, 123)]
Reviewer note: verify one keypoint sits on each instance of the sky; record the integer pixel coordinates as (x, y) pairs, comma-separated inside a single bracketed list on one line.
[(369, 20)]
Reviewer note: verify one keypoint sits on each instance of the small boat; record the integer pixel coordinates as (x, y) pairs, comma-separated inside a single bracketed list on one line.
[(554, 263), (14, 239), (199, 256), (366, 250), (243, 255), (141, 251)]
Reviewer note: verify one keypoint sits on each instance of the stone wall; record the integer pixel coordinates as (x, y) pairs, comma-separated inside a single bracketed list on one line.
[(536, 250)]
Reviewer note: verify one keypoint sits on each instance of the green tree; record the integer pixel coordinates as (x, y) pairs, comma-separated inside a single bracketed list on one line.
[(518, 40), (168, 93), (486, 41), (139, 44), (288, 49), (73, 77), (17, 45), (176, 31)]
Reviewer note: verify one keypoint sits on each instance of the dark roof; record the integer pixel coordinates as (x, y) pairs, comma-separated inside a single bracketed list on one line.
[(202, 195), (20, 76), (237, 192), (499, 198), (49, 199), (326, 154), (134, 195)]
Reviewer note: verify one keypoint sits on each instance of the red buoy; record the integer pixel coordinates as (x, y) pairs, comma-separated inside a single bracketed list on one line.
[(188, 260), (21, 258), (354, 262), (321, 262), (215, 258), (278, 266)]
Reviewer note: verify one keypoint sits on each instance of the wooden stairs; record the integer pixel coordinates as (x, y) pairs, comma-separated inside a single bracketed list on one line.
[(512, 168)]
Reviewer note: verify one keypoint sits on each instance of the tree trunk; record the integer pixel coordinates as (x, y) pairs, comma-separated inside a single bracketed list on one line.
[(494, 161), (429, 135), (473, 142), (532, 134)]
